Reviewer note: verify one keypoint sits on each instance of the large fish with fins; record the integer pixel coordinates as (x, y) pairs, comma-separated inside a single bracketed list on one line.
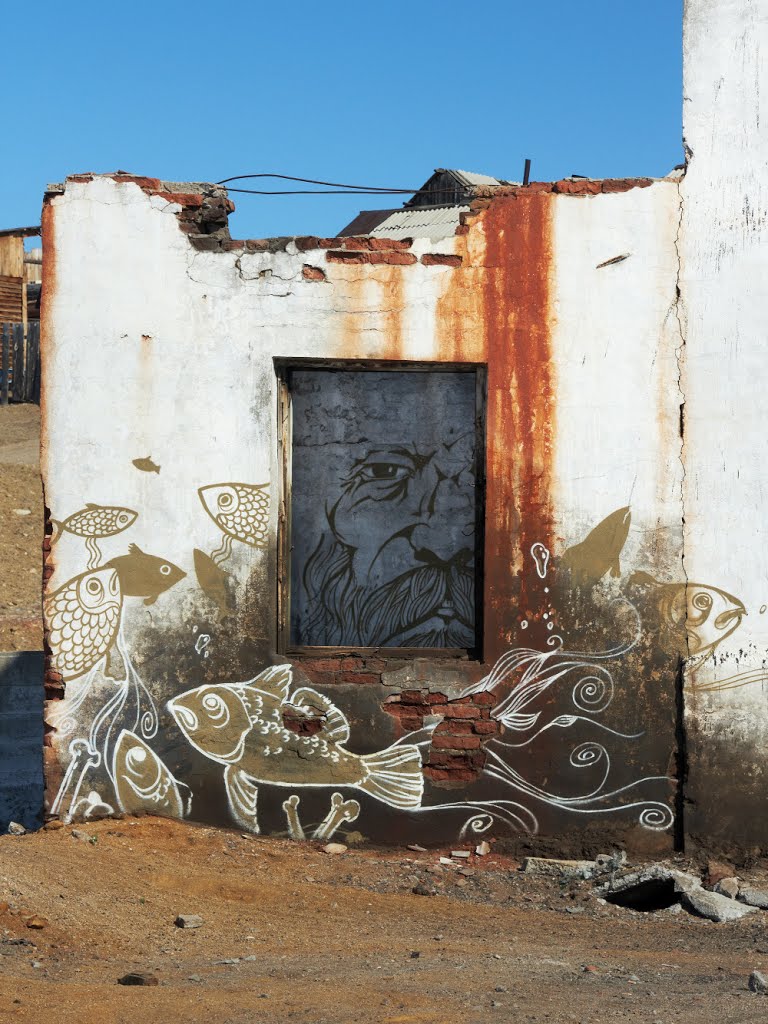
[(243, 727)]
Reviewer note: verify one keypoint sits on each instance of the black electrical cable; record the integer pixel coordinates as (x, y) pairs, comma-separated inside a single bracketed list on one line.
[(335, 188), (314, 181)]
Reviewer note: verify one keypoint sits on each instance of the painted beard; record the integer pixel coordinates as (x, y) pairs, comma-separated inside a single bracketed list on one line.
[(428, 606)]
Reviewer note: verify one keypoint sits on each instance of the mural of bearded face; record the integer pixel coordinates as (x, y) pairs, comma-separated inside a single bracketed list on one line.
[(383, 509)]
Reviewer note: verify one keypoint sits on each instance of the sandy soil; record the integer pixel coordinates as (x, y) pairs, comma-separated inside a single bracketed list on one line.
[(21, 535), (320, 938)]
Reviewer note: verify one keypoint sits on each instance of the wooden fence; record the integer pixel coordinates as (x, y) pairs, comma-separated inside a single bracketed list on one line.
[(20, 367)]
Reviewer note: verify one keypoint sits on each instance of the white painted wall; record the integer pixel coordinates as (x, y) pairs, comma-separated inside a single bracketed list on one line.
[(724, 290)]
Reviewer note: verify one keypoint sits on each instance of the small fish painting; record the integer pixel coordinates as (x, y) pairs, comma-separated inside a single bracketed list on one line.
[(142, 781), (143, 575), (214, 581), (243, 727), (146, 465), (83, 617), (95, 521), (599, 552), (707, 615), (240, 510)]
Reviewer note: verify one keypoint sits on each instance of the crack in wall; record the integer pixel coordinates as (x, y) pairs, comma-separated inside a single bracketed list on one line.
[(680, 351)]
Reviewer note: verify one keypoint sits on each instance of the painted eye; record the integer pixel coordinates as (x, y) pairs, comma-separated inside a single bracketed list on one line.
[(165, 570), (93, 587), (388, 472), (225, 500), (702, 602), (217, 710), (123, 518)]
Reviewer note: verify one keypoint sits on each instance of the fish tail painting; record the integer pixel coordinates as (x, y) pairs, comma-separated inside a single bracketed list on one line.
[(394, 776)]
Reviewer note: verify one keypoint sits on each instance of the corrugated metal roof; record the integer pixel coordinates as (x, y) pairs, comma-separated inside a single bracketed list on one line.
[(470, 178), (433, 222)]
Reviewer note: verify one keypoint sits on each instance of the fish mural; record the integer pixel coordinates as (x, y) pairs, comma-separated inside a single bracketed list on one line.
[(92, 522), (242, 726), (83, 618), (706, 615), (213, 581), (599, 552), (142, 782), (241, 511), (143, 575), (146, 465)]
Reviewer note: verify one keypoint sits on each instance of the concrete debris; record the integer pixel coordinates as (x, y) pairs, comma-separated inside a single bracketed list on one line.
[(15, 829), (416, 848), (611, 861), (188, 921), (649, 889), (137, 978), (446, 860), (758, 982), (728, 887), (461, 854), (195, 977), (53, 825), (553, 866), (78, 833), (228, 960), (334, 848), (713, 906), (483, 849), (754, 897)]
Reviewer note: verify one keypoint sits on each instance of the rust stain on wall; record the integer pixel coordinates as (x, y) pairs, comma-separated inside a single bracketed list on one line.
[(521, 407)]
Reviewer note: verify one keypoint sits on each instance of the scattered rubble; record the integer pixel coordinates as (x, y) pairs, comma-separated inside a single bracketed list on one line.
[(423, 890), (758, 982), (35, 921), (335, 848), (728, 887), (188, 921), (15, 829), (137, 978), (483, 849)]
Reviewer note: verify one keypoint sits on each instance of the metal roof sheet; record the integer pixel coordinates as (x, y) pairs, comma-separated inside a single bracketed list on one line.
[(433, 222)]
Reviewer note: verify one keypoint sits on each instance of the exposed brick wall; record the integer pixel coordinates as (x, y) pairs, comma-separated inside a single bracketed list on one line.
[(455, 754)]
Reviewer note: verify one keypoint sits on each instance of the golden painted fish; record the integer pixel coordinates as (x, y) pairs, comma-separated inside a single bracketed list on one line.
[(240, 510), (146, 465), (590, 560), (707, 614), (143, 575), (142, 781), (97, 521), (213, 581), (243, 726), (83, 617)]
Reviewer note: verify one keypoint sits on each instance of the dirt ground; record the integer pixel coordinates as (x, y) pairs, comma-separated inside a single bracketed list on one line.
[(292, 934), (21, 529)]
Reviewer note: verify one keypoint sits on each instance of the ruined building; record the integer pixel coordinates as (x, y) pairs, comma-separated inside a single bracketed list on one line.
[(449, 526)]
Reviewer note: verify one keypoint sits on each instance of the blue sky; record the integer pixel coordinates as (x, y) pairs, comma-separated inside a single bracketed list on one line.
[(370, 93)]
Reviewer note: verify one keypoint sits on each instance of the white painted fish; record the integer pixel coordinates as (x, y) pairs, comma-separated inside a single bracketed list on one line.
[(83, 617), (243, 726), (240, 510)]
